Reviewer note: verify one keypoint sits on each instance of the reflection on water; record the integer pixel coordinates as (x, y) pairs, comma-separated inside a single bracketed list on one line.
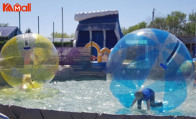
[(83, 96)]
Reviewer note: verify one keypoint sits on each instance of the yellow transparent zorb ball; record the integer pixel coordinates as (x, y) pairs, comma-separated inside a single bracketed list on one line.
[(28, 60)]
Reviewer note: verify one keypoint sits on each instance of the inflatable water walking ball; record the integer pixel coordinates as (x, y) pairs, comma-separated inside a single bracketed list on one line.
[(151, 58), (28, 60)]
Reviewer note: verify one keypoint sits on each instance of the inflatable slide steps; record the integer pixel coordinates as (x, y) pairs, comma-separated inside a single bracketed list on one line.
[(79, 72)]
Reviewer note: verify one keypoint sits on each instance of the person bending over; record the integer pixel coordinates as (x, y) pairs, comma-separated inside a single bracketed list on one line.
[(147, 95), (26, 80)]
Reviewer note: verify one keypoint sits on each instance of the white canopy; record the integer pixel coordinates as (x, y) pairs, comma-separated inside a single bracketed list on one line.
[(86, 15)]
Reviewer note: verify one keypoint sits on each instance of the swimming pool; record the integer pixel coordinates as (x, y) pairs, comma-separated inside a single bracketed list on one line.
[(83, 96)]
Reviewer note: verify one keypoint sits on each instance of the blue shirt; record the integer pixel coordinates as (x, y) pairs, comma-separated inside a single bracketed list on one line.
[(147, 95)]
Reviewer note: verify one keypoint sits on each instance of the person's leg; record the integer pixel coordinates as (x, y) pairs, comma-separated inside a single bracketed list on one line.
[(152, 101)]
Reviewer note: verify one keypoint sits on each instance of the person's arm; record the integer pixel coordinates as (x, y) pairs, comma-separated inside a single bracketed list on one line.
[(133, 102), (139, 103), (22, 84), (148, 104), (31, 84)]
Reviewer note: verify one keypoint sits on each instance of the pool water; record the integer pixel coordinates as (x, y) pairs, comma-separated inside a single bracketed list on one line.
[(84, 96)]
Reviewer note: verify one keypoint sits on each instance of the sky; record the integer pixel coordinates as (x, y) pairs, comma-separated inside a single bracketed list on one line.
[(131, 12)]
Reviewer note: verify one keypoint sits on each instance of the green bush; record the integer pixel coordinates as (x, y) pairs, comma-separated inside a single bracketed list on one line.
[(2, 43), (4, 38), (64, 44)]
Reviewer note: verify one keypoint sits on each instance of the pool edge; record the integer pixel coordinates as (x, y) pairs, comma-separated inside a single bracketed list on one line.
[(17, 112)]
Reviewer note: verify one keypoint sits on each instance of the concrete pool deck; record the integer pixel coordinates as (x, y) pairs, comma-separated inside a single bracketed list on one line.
[(16, 112)]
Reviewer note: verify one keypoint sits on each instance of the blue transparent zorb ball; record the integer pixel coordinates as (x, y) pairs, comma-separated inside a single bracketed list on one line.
[(151, 58)]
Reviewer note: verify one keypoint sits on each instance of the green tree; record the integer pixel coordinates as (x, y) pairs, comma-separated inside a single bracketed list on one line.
[(3, 24), (135, 27), (72, 35), (59, 35), (175, 22), (124, 30), (159, 23), (191, 24)]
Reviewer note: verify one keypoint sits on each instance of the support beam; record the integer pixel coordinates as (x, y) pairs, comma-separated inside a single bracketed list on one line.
[(19, 22), (104, 38), (53, 32), (38, 23), (62, 28)]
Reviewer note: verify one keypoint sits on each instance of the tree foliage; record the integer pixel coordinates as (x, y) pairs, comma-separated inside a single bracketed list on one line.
[(191, 24), (59, 35), (133, 28), (175, 23), (159, 23), (3, 24)]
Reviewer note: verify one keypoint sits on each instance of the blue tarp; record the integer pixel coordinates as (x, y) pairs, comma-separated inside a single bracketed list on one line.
[(9, 30)]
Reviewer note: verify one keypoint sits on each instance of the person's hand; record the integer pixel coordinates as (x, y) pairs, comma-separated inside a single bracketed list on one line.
[(148, 105)]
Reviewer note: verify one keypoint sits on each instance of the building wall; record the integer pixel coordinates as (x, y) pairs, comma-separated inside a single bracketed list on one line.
[(190, 43)]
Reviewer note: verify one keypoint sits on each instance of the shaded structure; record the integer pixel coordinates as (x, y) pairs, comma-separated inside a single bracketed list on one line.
[(9, 31), (190, 42)]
